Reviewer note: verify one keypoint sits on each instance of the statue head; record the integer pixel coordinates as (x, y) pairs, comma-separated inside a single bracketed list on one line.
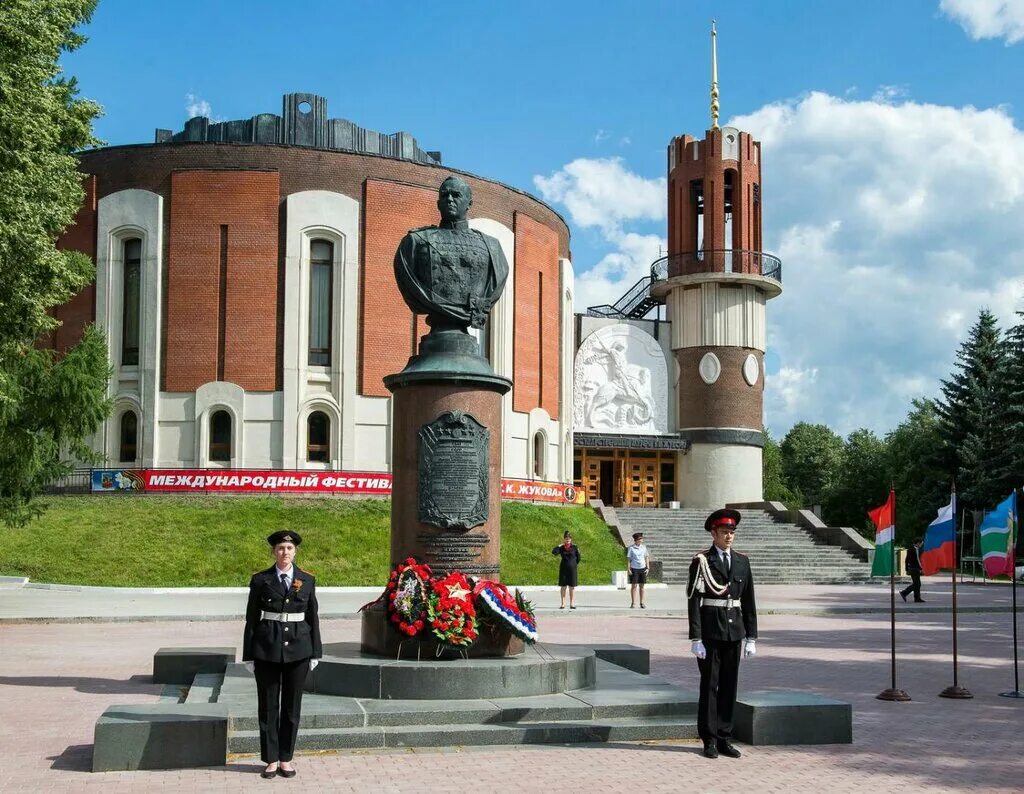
[(454, 198)]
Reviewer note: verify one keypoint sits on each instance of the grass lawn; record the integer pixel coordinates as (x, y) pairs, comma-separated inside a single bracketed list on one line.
[(169, 541)]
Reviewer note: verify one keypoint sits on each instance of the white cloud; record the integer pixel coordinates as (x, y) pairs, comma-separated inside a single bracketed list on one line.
[(196, 106), (988, 19), (896, 222), (605, 195)]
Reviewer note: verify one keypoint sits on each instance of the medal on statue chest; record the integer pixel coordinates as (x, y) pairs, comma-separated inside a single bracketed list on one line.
[(459, 258)]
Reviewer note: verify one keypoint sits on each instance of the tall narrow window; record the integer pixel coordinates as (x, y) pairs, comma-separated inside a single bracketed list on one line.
[(130, 303), (318, 437), (129, 437), (220, 437), (539, 448), (321, 260)]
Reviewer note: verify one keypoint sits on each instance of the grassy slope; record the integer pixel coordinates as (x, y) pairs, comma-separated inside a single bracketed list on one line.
[(203, 540)]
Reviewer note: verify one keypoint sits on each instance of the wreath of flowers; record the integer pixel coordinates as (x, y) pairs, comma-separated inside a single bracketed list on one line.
[(450, 611), (407, 596), (513, 613)]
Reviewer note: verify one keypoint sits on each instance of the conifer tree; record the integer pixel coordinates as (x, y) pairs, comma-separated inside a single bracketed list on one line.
[(971, 417), (1011, 402), (50, 403)]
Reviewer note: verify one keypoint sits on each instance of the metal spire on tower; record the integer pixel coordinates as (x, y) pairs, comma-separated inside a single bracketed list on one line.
[(714, 79)]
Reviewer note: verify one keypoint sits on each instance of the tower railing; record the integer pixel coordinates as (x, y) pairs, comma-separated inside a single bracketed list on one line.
[(724, 260)]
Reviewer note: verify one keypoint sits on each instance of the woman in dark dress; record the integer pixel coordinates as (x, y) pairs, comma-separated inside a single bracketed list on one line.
[(570, 554)]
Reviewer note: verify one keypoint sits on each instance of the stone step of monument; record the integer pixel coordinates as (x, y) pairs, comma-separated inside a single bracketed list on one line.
[(205, 688), (604, 729)]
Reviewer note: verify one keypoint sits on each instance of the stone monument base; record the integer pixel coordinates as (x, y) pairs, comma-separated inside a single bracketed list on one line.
[(379, 637)]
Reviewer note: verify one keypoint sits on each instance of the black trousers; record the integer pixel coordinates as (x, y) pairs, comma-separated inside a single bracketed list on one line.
[(279, 688), (719, 672), (915, 585)]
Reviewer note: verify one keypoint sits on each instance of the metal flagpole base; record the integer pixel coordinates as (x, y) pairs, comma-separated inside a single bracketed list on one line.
[(955, 692), (898, 695), (1013, 694)]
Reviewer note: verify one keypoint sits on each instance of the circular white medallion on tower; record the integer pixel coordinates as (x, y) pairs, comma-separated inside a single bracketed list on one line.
[(709, 368), (621, 382), (751, 369)]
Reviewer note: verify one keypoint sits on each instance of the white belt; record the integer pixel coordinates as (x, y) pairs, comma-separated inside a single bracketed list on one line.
[(727, 603), (284, 617)]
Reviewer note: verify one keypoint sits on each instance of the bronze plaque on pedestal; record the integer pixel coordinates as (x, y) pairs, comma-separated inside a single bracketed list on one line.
[(453, 471)]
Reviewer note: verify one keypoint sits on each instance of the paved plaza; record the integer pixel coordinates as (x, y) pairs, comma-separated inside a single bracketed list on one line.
[(56, 678)]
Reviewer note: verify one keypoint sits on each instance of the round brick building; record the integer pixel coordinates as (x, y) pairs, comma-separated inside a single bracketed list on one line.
[(244, 280)]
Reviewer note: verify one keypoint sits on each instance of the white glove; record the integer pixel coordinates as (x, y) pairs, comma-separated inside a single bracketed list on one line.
[(250, 666), (749, 649), (697, 649), (313, 663)]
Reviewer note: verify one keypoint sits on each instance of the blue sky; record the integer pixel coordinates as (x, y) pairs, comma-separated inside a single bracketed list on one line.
[(891, 131)]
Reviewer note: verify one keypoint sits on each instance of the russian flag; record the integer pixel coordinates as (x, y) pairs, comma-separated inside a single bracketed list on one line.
[(939, 548)]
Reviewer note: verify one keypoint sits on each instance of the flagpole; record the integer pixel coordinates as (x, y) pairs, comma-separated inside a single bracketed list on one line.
[(956, 691), (893, 692), (1016, 693)]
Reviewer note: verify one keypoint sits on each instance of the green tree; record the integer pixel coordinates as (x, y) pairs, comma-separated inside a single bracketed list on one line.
[(1010, 387), (914, 449), (811, 459), (971, 417), (774, 481), (861, 483), (49, 404)]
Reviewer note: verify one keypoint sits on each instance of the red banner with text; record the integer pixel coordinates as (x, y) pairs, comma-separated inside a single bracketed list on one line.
[(272, 481)]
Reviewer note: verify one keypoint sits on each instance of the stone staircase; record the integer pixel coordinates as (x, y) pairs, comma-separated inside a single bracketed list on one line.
[(779, 553)]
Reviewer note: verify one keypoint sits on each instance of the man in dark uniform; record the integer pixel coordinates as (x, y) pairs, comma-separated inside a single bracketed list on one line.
[(723, 617), (281, 645), (914, 572)]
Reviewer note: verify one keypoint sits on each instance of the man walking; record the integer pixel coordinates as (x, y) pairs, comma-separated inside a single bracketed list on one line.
[(914, 572), (723, 616)]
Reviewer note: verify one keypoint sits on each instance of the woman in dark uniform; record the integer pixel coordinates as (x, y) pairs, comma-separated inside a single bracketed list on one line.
[(281, 645), (570, 554)]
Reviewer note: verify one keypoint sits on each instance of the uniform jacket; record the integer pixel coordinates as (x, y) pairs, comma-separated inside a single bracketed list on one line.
[(272, 640), (720, 623), (913, 560)]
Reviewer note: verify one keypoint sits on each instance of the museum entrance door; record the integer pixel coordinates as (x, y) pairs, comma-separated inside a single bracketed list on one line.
[(625, 477)]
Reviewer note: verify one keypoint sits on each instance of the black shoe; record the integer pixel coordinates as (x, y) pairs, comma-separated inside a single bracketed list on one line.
[(917, 600), (710, 751), (286, 772), (267, 775), (643, 606), (572, 607), (903, 596), (726, 748)]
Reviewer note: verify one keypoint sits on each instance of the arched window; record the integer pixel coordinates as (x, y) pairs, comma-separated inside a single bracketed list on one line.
[(321, 267), (318, 437), (129, 437), (220, 436), (130, 331), (539, 455)]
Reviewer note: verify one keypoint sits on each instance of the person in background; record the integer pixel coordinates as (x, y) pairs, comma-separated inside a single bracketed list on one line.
[(281, 645), (639, 562), (567, 576), (914, 572)]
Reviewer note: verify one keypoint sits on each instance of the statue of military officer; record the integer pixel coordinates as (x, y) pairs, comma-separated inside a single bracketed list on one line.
[(450, 272)]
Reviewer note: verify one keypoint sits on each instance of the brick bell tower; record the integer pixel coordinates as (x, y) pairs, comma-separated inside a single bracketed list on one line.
[(716, 282)]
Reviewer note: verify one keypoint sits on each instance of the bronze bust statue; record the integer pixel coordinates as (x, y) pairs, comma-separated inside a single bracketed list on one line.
[(449, 272)]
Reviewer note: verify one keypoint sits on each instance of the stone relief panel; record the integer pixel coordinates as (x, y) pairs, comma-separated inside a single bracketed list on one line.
[(620, 382)]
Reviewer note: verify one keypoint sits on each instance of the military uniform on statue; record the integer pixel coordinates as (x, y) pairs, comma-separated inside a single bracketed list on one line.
[(723, 617), (281, 645)]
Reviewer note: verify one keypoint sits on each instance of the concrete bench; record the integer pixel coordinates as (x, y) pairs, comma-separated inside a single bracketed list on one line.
[(792, 718), (180, 665), (160, 736), (632, 657)]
